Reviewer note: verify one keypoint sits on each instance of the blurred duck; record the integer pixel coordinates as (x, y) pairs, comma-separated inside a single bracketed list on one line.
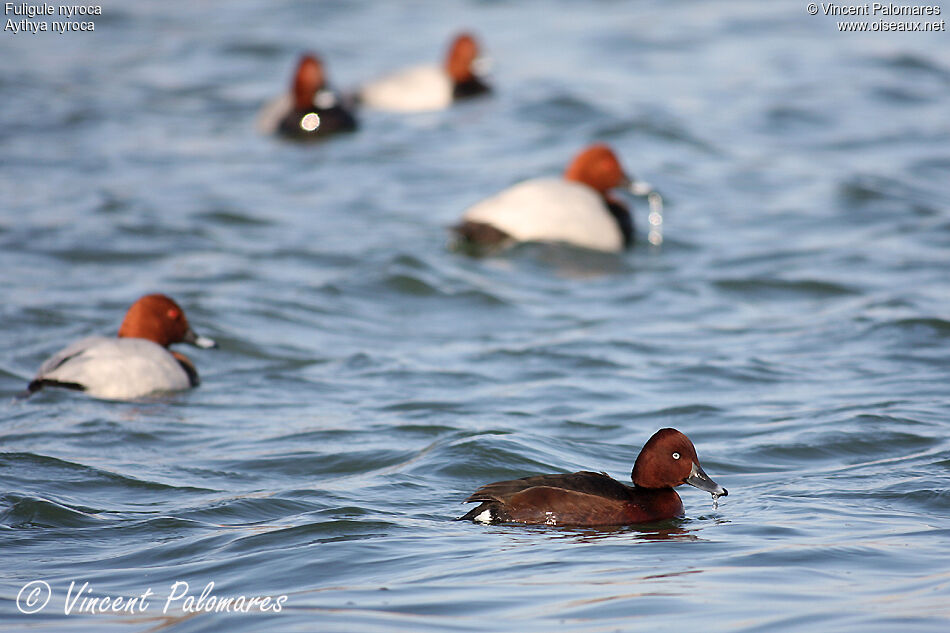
[(578, 209), (311, 110), (429, 87), (134, 364), (585, 498)]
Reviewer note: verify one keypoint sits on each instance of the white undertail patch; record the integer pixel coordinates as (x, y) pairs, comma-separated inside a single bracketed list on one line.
[(484, 517)]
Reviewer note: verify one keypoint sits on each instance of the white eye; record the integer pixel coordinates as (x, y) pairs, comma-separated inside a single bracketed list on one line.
[(676, 455)]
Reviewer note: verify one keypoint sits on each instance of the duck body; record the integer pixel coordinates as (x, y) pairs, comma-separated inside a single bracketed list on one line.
[(116, 368), (136, 363), (578, 209), (585, 498), (429, 87), (311, 110), (552, 210), (332, 119), (581, 498), (416, 89)]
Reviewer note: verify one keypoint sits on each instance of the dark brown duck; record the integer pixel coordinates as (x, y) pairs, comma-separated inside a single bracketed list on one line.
[(584, 498)]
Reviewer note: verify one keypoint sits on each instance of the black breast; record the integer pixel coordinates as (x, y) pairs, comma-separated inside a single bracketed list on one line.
[(332, 121), (624, 221), (471, 88)]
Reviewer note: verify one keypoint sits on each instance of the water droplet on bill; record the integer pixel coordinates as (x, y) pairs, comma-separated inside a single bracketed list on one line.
[(655, 218)]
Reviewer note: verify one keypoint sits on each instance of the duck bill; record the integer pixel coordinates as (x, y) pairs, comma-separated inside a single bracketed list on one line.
[(198, 341), (481, 66), (702, 481), (638, 187)]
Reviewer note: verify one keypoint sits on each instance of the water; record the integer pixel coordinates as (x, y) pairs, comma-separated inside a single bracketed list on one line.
[(795, 322)]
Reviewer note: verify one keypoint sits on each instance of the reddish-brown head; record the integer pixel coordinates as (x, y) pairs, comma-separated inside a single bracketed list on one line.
[(308, 80), (666, 460), (597, 167), (669, 459), (158, 318), (462, 53)]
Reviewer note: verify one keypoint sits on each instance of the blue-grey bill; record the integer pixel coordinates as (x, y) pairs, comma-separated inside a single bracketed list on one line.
[(702, 481), (199, 341)]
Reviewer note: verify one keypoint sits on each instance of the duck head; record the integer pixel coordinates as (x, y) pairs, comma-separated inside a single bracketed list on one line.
[(669, 459), (463, 52), (597, 167), (158, 318), (309, 79)]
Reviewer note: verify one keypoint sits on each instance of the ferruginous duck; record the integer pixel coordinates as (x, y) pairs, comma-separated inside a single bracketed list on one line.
[(668, 459)]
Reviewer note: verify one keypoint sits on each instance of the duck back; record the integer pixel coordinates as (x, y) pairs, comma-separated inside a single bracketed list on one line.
[(415, 89), (114, 368), (551, 210)]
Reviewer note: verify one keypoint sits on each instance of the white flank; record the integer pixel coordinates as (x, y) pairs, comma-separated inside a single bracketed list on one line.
[(551, 210), (116, 368), (416, 89)]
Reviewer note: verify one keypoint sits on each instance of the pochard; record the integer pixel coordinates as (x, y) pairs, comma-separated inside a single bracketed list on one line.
[(578, 209), (132, 365), (429, 87), (311, 111)]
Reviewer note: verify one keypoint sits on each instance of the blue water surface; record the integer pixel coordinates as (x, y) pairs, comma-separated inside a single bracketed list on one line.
[(795, 323)]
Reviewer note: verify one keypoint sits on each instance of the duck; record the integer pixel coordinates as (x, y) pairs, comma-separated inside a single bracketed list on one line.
[(311, 111), (588, 499), (428, 88), (136, 363), (578, 209)]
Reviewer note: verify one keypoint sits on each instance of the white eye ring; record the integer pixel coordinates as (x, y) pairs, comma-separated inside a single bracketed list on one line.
[(676, 455)]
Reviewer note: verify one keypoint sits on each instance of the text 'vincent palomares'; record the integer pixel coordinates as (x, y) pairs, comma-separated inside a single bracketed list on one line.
[(878, 9)]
